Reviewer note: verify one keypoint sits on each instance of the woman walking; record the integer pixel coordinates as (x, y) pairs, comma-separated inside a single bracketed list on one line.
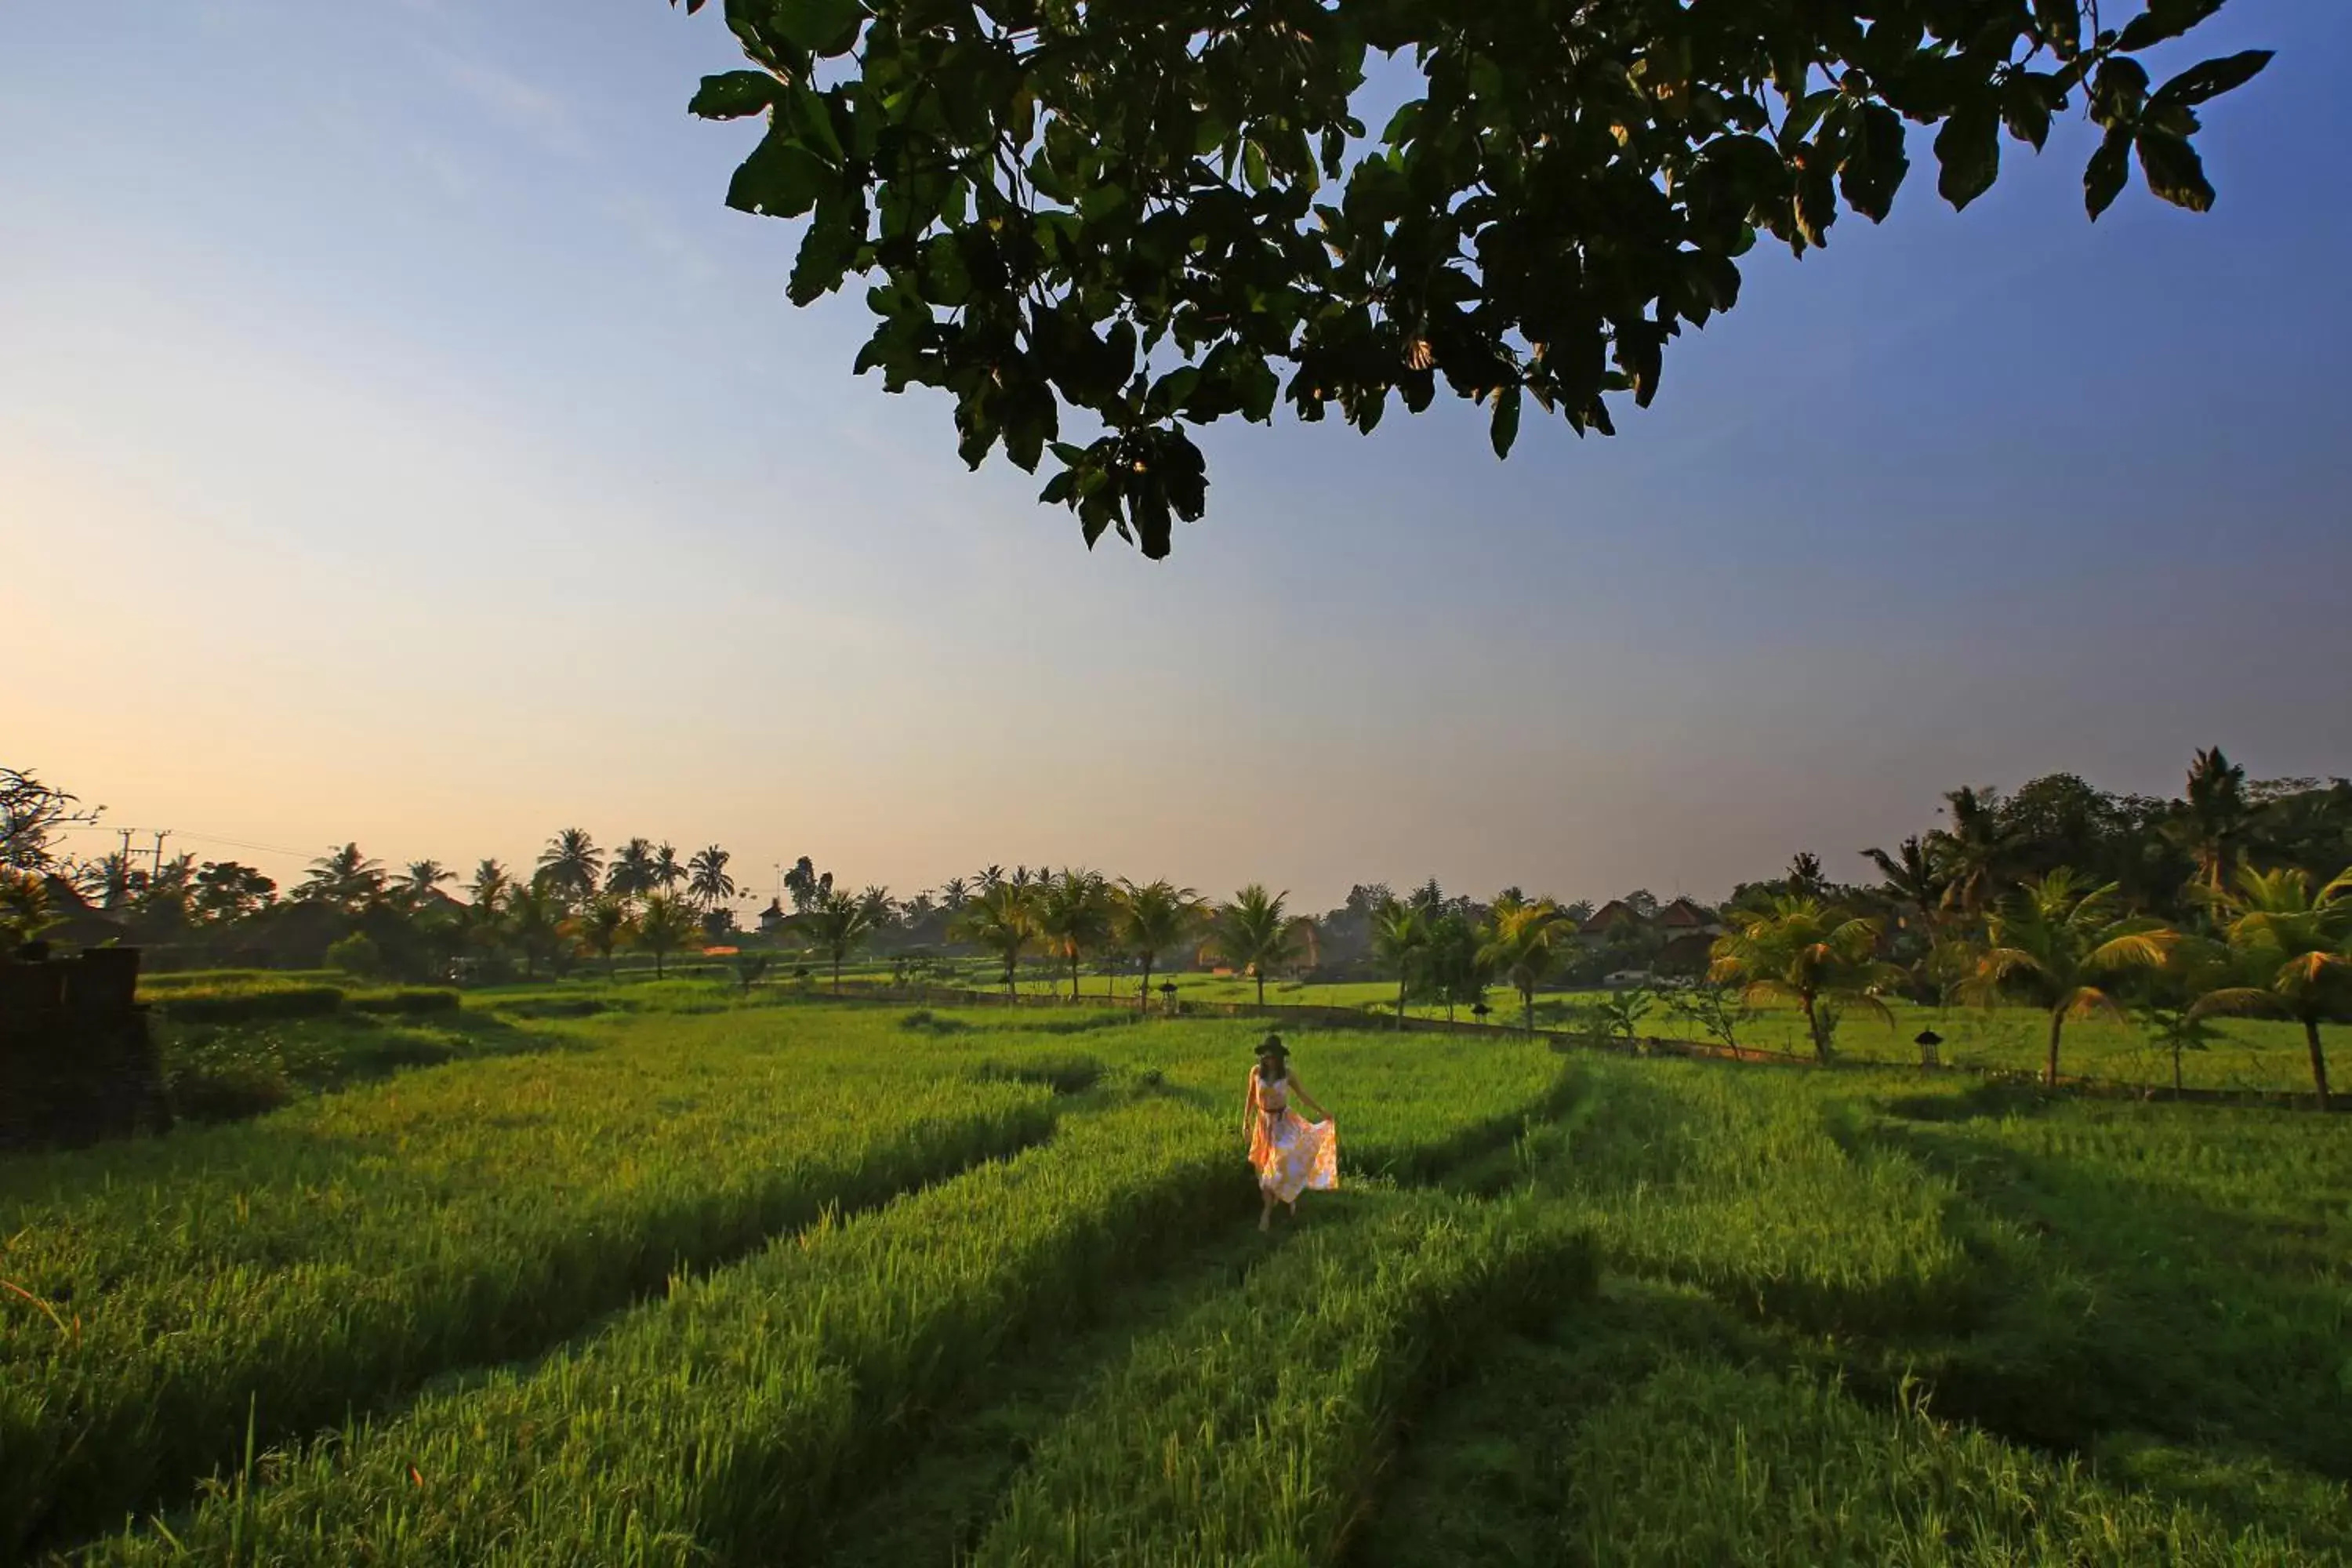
[(1289, 1154)]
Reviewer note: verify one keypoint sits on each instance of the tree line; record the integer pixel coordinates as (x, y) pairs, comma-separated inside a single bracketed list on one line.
[(2233, 897)]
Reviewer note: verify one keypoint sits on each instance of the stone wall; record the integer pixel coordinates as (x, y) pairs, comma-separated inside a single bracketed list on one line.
[(77, 1061)]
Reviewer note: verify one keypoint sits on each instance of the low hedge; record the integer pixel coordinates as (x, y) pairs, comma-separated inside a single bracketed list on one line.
[(409, 1002), (244, 1006)]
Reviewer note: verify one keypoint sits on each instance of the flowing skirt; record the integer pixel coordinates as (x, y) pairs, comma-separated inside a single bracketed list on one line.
[(1292, 1156)]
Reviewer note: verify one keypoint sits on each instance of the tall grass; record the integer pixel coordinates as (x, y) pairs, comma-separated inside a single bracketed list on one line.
[(319, 1260)]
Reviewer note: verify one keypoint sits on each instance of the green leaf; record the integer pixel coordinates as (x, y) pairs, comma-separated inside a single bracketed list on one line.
[(1802, 118), (1969, 148), (732, 95), (2212, 78), (818, 25), (2164, 19), (1875, 161), (1254, 170), (2174, 170), (2104, 180), (780, 179), (1505, 429)]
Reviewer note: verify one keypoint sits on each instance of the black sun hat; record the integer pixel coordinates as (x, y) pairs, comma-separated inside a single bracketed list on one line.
[(1272, 1046)]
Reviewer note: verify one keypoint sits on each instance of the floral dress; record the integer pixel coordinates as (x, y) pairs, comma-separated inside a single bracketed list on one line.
[(1291, 1153)]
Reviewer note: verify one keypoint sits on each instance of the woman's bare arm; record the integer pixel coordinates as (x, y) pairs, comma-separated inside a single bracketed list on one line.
[(1249, 1104), (1299, 1089)]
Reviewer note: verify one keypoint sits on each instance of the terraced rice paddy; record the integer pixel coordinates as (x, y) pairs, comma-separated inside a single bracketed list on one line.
[(798, 1283)]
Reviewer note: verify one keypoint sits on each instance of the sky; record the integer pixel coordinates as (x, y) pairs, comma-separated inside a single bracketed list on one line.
[(400, 442)]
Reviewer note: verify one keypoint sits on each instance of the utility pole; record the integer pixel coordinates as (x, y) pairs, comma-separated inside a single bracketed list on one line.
[(161, 835)]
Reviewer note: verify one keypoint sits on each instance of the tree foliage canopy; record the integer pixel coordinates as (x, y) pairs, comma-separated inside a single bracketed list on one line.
[(1151, 212)]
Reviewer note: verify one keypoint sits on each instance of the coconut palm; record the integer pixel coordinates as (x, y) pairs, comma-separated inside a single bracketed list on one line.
[(989, 877), (1914, 878), (571, 864), (881, 909), (999, 920), (664, 926), (2215, 819), (605, 924), (489, 885), (707, 877), (424, 878), (535, 920), (2298, 947), (1798, 949), (838, 924), (1073, 916), (630, 874), (1519, 948), (345, 878), (1974, 852), (1148, 920), (2053, 941), (667, 871), (1400, 939), (1254, 933), (953, 892)]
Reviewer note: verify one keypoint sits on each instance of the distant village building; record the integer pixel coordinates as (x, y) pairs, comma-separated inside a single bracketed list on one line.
[(773, 918), (1680, 936)]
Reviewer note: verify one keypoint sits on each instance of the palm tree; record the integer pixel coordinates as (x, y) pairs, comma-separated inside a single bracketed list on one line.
[(1974, 851), (881, 909), (489, 885), (837, 923), (1914, 878), (424, 878), (988, 877), (1254, 933), (707, 877), (604, 925), (953, 892), (999, 920), (1801, 950), (345, 878), (2053, 940), (1519, 948), (534, 912), (1400, 938), (667, 873), (631, 875), (571, 864), (2215, 820), (2298, 949), (664, 926), (1148, 920), (1074, 916)]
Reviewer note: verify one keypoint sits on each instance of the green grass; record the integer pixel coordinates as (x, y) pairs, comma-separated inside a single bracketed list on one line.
[(703, 1278)]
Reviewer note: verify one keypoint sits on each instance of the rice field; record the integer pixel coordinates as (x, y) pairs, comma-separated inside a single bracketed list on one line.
[(693, 1278)]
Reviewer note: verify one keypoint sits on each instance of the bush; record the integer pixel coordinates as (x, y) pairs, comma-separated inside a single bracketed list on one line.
[(409, 1002), (246, 1006), (226, 1076), (356, 954)]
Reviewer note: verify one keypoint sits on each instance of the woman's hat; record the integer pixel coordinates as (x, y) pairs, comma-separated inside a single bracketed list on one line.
[(1272, 1047)]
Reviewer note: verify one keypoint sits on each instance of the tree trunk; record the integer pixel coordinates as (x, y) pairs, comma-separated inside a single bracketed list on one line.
[(1074, 975), (836, 973), (1144, 992), (2176, 1068), (1401, 978), (2057, 1027), (657, 964), (1813, 1030), (1261, 984), (1527, 1004), (2318, 1060)]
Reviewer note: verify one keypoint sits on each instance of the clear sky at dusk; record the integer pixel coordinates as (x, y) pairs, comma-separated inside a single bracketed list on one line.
[(400, 441)]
